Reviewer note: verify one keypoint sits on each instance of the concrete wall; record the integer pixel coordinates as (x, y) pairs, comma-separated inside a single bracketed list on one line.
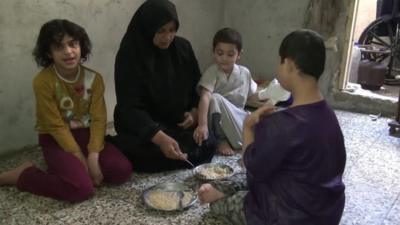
[(105, 22), (358, 101), (263, 24)]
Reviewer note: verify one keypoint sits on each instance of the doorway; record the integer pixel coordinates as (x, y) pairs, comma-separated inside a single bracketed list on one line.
[(369, 55)]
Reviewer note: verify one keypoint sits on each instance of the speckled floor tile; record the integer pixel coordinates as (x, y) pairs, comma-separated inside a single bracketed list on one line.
[(360, 132), (372, 178), (23, 215), (393, 216), (128, 211), (367, 202), (372, 174)]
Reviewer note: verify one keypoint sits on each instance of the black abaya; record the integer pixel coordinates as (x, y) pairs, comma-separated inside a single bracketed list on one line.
[(154, 88)]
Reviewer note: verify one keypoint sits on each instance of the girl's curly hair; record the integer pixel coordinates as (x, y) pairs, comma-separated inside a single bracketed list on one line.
[(53, 32)]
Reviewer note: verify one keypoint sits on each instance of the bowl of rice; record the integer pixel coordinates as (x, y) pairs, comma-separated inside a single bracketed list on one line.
[(213, 171), (169, 196)]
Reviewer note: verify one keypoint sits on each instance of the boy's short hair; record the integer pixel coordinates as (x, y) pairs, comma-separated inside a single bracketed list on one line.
[(307, 49), (228, 35), (53, 32)]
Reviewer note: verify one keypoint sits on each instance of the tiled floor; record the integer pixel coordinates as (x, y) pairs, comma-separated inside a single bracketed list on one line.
[(372, 178)]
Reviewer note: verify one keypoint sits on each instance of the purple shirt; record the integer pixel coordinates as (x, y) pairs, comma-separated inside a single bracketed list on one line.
[(295, 168)]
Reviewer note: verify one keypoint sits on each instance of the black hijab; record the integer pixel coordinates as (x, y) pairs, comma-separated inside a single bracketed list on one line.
[(153, 86), (152, 15)]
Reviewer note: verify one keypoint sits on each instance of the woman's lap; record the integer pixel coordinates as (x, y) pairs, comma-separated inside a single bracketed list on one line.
[(147, 157)]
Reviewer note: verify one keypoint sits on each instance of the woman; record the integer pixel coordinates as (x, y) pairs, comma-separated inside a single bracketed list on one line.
[(155, 77)]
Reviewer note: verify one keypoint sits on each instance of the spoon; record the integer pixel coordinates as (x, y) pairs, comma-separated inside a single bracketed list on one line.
[(190, 163), (184, 158), (180, 196)]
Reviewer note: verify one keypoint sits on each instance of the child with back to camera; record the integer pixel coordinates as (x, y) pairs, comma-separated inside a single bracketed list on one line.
[(70, 119), (294, 158), (224, 89)]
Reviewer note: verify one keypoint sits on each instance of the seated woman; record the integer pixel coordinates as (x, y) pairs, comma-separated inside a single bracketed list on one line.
[(294, 158), (156, 73)]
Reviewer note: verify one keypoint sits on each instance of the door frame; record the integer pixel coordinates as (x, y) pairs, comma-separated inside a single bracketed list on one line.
[(348, 45)]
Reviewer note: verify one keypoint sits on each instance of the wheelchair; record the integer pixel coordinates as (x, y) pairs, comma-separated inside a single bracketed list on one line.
[(380, 42)]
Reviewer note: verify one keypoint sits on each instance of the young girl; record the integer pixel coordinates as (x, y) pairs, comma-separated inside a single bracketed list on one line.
[(294, 158), (224, 89), (71, 121)]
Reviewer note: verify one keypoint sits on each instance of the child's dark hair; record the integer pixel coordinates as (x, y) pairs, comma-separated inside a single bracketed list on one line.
[(228, 35), (307, 49), (53, 32)]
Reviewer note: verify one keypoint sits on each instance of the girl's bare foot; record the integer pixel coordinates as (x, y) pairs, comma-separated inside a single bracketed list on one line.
[(11, 177), (207, 194), (224, 148)]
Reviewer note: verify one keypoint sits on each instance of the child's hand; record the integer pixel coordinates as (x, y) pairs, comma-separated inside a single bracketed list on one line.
[(200, 134), (255, 116), (94, 168), (81, 158), (188, 120), (75, 124)]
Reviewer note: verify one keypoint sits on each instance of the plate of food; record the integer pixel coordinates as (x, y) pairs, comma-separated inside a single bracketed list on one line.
[(169, 196), (213, 171)]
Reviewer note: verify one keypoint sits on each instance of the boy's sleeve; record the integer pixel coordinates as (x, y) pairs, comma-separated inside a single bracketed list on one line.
[(208, 79), (268, 150), (253, 85), (98, 116), (50, 117)]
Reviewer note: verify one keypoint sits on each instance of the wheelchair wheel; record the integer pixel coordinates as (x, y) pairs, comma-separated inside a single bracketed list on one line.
[(380, 42)]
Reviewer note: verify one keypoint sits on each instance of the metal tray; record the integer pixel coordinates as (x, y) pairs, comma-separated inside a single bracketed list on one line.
[(198, 171), (169, 196)]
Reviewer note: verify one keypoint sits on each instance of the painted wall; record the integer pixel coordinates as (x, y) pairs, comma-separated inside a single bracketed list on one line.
[(105, 22)]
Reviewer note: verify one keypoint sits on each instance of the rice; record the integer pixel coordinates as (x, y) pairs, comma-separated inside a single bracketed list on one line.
[(214, 172), (168, 200)]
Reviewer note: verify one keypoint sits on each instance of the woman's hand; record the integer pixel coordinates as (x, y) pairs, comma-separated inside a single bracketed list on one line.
[(81, 158), (255, 116), (200, 134), (188, 120), (94, 168), (169, 147)]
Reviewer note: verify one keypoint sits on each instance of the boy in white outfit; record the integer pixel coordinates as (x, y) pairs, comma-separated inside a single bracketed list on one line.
[(224, 89)]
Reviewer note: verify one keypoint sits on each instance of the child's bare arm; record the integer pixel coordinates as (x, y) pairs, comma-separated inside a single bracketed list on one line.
[(201, 132), (203, 106)]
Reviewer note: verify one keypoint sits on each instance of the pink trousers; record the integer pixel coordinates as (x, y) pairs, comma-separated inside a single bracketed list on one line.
[(66, 178)]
